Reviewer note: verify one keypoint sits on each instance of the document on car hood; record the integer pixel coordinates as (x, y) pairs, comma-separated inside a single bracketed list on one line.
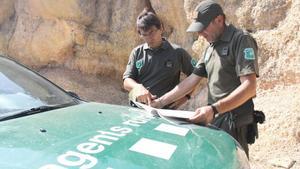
[(177, 114)]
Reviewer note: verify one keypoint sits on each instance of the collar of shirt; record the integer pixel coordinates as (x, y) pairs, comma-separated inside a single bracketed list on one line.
[(165, 45), (228, 33), (226, 36)]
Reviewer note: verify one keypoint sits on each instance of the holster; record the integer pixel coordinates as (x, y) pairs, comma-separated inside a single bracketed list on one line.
[(244, 115), (252, 134)]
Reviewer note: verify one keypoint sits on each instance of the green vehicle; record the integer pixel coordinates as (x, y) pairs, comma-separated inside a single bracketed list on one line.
[(44, 127)]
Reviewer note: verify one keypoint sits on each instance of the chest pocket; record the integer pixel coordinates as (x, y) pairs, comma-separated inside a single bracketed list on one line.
[(169, 67), (168, 64), (226, 55)]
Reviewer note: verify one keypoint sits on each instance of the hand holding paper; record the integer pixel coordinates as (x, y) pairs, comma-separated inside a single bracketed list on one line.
[(178, 114)]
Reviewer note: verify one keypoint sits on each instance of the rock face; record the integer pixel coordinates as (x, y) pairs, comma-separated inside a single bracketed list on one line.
[(93, 36), (96, 36), (6, 10)]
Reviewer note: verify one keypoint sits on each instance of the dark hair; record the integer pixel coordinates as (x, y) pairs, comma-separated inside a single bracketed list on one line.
[(146, 20)]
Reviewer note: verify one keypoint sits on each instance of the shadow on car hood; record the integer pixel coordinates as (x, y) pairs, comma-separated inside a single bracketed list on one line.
[(94, 135)]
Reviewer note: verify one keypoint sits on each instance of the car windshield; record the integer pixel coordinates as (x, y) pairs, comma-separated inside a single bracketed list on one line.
[(22, 89)]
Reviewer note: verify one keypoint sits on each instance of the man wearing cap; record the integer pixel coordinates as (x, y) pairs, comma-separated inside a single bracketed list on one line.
[(230, 65), (154, 67)]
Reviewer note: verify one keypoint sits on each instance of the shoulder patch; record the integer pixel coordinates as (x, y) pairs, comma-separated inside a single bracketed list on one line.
[(249, 54), (194, 62), (139, 64)]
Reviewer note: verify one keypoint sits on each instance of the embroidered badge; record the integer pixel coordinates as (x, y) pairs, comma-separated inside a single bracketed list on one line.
[(169, 64), (194, 62), (225, 51), (249, 54), (139, 64)]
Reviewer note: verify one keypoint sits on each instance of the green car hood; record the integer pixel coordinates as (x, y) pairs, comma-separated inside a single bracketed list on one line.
[(94, 135)]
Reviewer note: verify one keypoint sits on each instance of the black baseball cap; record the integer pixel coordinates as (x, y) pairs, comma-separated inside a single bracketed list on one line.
[(204, 13)]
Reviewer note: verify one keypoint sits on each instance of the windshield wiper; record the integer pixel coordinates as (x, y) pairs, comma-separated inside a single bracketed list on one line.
[(34, 110)]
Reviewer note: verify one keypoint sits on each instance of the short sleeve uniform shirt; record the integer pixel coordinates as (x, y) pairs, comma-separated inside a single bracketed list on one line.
[(158, 69), (232, 56)]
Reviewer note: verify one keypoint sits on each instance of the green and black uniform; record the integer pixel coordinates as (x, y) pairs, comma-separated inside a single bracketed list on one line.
[(158, 69), (232, 56)]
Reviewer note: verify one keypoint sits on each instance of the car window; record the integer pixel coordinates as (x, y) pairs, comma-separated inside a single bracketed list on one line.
[(22, 89), (8, 86)]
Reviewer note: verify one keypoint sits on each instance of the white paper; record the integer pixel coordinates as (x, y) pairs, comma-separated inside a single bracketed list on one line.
[(167, 113), (154, 148), (176, 113), (172, 129)]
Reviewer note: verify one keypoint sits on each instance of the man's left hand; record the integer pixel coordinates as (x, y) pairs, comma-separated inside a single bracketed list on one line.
[(203, 115)]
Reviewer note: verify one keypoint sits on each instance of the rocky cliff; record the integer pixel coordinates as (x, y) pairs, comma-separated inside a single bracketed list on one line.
[(96, 36), (93, 36)]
